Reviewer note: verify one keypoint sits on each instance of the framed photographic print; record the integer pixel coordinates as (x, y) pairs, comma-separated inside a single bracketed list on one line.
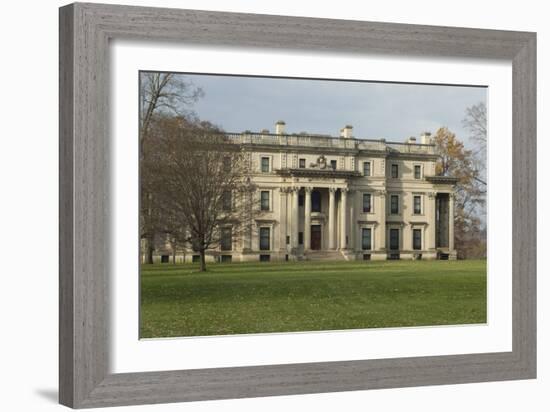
[(257, 205)]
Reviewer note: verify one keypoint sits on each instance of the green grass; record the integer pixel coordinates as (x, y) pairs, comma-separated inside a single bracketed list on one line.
[(177, 300)]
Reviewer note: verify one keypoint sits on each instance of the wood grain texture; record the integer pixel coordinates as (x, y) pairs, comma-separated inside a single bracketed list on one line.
[(85, 30)]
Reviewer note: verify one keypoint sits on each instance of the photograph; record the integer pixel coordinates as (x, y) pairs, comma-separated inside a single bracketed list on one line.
[(277, 205)]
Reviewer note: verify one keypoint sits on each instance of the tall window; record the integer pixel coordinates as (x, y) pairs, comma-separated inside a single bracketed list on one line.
[(302, 163), (394, 171), (417, 172), (333, 164), (367, 204), (264, 200), (417, 206), (366, 168), (394, 239), (394, 204), (316, 201), (226, 238), (366, 238), (226, 200), (265, 164), (265, 238), (227, 164), (417, 239)]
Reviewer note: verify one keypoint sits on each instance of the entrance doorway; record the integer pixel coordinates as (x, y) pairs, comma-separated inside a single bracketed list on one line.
[(316, 237)]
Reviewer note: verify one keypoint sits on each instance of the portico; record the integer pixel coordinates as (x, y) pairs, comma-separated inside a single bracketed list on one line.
[(321, 218)]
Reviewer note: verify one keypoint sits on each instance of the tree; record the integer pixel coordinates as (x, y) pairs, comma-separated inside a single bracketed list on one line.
[(203, 184), (475, 121), (161, 94), (164, 93), (455, 160)]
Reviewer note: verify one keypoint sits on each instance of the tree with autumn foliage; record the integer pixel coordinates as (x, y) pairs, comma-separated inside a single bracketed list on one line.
[(457, 161)]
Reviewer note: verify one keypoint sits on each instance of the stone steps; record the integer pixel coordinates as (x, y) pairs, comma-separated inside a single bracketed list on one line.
[(324, 255)]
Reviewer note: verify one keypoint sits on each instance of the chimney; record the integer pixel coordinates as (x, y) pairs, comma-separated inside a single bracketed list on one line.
[(426, 138), (411, 140), (346, 131), (280, 127)]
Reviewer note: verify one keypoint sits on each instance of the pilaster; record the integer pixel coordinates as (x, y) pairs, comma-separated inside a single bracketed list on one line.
[(331, 212)]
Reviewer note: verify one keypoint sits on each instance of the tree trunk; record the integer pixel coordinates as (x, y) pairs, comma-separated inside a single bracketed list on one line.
[(203, 261), (174, 253), (148, 251)]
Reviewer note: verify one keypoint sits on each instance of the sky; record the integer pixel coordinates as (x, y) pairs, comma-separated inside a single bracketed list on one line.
[(394, 111)]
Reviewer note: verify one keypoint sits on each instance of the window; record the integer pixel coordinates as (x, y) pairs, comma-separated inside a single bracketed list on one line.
[(265, 164), (367, 205), (302, 163), (366, 256), (288, 240), (226, 238), (316, 201), (164, 259), (226, 259), (265, 238), (300, 238), (417, 171), (226, 200), (366, 239), (394, 204), (394, 239), (366, 168), (417, 239), (227, 164), (265, 258), (333, 164), (264, 200), (300, 200), (417, 204), (196, 258), (394, 171)]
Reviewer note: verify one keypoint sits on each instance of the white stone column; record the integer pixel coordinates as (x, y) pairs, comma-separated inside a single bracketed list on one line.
[(307, 218), (451, 222), (331, 234), (294, 218), (352, 223), (430, 214), (382, 219), (247, 238), (283, 194), (344, 218), (406, 228)]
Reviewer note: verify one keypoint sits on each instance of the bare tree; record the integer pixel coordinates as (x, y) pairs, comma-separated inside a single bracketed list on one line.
[(475, 121), (161, 94), (164, 93), (204, 184)]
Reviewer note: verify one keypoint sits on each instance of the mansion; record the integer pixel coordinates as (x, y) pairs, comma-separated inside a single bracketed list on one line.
[(326, 197)]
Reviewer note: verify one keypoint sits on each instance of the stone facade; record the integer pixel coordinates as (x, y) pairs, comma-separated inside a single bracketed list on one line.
[(342, 198)]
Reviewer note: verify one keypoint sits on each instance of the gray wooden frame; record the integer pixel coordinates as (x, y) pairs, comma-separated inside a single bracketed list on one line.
[(85, 31)]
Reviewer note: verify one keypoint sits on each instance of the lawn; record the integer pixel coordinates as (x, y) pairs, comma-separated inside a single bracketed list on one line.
[(234, 298)]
